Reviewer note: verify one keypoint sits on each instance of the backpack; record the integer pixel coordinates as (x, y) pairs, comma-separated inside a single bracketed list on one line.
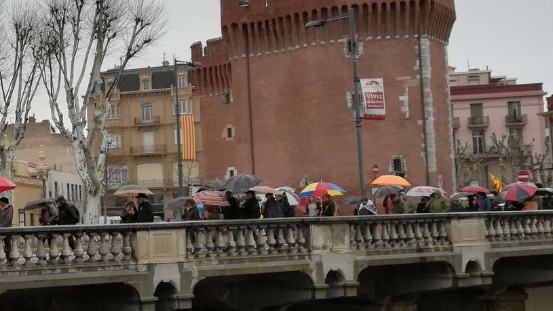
[(74, 212)]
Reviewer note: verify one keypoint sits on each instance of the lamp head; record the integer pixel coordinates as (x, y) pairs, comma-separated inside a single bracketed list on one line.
[(316, 23)]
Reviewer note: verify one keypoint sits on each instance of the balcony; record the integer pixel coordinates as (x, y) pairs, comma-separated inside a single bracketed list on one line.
[(148, 150), (514, 121), (140, 121), (479, 123), (489, 152), (456, 123)]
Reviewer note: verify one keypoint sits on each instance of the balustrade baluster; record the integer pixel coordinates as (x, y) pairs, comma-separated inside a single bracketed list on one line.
[(418, 234), (116, 251), (281, 242), (40, 250), (94, 246), (427, 236), (221, 245), (231, 241), (127, 248), (393, 235), (434, 232), (506, 229), (367, 236), (250, 241), (261, 241), (401, 234), (54, 252), (533, 228), (513, 232), (200, 246), (411, 240), (190, 239), (78, 251), (241, 241), (541, 230), (3, 256), (15, 259), (491, 230), (547, 226), (352, 236), (520, 228), (209, 243), (301, 239), (28, 252), (498, 229), (359, 243), (271, 241), (66, 250), (105, 247), (377, 235), (527, 230), (291, 239), (386, 235)]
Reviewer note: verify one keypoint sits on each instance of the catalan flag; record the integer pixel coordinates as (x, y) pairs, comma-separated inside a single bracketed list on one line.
[(496, 183), (188, 136)]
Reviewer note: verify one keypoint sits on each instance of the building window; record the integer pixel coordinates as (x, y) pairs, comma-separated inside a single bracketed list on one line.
[(80, 193), (476, 114), (474, 80), (117, 176), (114, 140), (147, 114), (397, 166), (181, 81), (227, 97), (516, 134), (113, 112), (514, 112), (229, 132), (478, 142), (55, 189), (68, 193), (185, 107), (145, 85), (243, 3), (231, 172)]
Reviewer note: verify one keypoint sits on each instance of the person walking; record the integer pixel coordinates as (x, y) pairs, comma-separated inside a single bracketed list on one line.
[(484, 203), (68, 213), (233, 210), (6, 213), (145, 211), (272, 209), (48, 215), (129, 214), (423, 206), (329, 207), (438, 204), (367, 207), (250, 209), (191, 211), (288, 210), (313, 208)]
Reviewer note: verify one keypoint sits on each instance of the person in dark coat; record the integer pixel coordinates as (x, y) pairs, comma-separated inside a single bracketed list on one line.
[(6, 212), (190, 212), (250, 209), (273, 209), (288, 210), (145, 211), (423, 206), (48, 214), (233, 210), (68, 213), (329, 207), (129, 214)]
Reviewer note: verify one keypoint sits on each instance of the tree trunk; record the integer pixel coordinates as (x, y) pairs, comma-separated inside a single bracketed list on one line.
[(7, 173), (91, 211)]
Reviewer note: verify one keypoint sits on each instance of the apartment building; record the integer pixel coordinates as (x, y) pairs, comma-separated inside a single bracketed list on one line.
[(484, 105), (143, 133)]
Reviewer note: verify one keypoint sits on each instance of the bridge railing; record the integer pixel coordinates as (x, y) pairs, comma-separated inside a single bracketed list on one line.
[(35, 247)]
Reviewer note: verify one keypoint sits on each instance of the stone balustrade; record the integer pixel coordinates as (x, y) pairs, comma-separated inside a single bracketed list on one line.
[(189, 241)]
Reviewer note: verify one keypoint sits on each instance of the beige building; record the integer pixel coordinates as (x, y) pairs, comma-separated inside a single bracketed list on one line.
[(143, 133)]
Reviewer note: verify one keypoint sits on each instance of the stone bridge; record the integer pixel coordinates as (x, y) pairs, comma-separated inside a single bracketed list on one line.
[(465, 261)]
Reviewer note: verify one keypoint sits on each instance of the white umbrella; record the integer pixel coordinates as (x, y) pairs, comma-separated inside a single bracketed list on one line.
[(292, 197)]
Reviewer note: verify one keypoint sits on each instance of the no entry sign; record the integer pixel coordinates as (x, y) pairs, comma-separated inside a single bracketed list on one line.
[(524, 176), (376, 169)]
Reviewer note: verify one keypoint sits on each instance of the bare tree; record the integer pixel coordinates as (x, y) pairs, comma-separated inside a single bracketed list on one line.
[(87, 31), (512, 150), (468, 164), (20, 71), (537, 161)]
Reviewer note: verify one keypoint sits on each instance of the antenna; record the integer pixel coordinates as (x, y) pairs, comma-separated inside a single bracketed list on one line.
[(164, 56), (468, 64)]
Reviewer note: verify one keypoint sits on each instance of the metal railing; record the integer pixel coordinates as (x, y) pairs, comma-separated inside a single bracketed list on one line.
[(149, 149), (147, 121), (479, 121), (516, 119)]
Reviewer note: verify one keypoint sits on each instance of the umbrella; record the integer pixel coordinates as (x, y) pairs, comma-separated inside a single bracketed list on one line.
[(424, 191), (6, 185), (386, 191), (290, 194), (132, 190), (321, 188), (475, 189), (543, 191), (216, 185), (354, 200), (34, 204), (520, 193), (178, 202), (460, 195), (241, 183), (391, 180), (207, 197), (264, 190), (520, 183)]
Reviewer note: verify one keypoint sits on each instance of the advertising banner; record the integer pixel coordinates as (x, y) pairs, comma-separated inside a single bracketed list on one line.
[(374, 100)]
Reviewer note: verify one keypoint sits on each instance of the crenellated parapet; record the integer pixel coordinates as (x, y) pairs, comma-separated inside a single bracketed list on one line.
[(214, 77), (257, 27)]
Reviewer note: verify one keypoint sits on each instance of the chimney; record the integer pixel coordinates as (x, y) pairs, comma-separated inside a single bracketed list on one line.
[(32, 120), (165, 63)]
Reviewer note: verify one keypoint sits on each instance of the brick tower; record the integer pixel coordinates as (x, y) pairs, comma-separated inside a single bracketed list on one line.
[(274, 93)]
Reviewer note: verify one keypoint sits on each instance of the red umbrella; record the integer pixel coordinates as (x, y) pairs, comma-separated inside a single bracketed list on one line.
[(475, 189), (6, 185), (210, 198), (520, 193)]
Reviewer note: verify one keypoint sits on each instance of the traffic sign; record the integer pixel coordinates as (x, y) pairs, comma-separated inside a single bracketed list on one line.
[(524, 176), (376, 169)]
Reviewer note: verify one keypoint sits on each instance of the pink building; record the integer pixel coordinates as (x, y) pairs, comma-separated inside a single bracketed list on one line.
[(484, 105)]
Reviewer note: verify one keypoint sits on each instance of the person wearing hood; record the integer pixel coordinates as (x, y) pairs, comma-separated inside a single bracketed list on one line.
[(191, 211), (439, 204), (367, 207), (288, 210), (250, 209), (273, 209)]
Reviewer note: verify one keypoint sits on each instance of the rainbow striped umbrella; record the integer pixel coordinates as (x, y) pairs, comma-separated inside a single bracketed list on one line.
[(210, 198), (321, 188)]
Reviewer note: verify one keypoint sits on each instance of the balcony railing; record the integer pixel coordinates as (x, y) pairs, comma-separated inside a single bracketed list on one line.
[(152, 183), (148, 149), (516, 120), (141, 121), (479, 122), (456, 123)]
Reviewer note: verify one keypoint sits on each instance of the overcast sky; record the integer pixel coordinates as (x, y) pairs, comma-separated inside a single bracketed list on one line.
[(512, 37)]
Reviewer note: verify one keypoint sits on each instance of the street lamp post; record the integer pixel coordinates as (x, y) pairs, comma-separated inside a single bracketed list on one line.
[(350, 15), (177, 113)]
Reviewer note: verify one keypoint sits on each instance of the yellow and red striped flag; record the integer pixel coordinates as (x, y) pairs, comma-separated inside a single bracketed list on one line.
[(498, 185), (188, 136)]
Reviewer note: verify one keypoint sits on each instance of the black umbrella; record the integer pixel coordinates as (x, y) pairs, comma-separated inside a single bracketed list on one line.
[(544, 191), (241, 183), (216, 185), (386, 191), (34, 204), (354, 200), (177, 206)]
